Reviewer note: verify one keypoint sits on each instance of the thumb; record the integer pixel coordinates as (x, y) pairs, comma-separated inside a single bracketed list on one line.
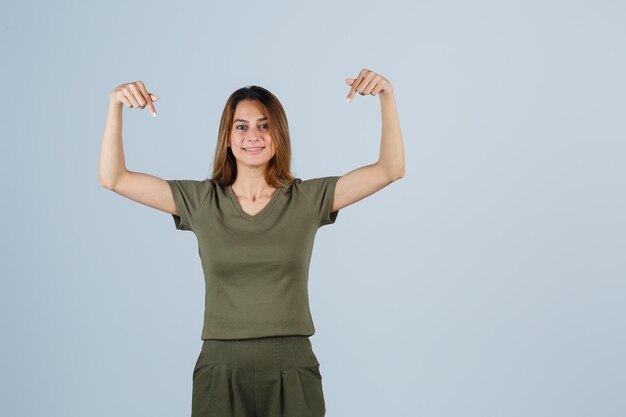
[(154, 97), (349, 81)]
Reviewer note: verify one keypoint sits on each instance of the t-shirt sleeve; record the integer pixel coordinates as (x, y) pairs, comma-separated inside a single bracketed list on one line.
[(320, 193), (188, 197)]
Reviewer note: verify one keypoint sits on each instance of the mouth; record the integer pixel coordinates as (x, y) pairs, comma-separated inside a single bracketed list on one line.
[(253, 151)]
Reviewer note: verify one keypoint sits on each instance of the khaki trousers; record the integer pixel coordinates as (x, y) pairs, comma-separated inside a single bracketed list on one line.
[(275, 376)]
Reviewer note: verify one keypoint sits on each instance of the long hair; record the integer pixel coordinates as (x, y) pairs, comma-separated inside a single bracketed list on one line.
[(278, 172)]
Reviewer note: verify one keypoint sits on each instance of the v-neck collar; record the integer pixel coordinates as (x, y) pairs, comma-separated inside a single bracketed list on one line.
[(243, 213)]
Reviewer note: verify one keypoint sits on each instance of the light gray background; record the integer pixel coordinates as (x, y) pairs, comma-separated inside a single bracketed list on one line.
[(489, 281)]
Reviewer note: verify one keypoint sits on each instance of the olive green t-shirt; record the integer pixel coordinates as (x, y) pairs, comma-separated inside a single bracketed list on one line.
[(256, 268)]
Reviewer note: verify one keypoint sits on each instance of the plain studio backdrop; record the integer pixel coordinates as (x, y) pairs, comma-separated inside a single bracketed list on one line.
[(489, 281)]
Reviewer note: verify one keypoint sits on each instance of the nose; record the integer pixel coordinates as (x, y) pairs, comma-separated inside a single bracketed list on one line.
[(251, 140)]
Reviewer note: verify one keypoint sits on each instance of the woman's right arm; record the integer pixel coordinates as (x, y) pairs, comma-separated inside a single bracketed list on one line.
[(143, 188)]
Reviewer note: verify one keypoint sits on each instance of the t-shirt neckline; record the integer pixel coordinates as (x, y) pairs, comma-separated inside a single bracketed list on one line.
[(243, 213)]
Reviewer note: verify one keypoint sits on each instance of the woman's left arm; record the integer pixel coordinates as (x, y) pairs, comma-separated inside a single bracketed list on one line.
[(366, 180)]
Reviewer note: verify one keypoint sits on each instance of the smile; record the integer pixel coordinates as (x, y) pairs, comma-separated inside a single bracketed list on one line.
[(253, 150)]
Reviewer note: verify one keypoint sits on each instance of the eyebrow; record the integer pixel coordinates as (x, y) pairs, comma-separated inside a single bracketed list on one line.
[(244, 120)]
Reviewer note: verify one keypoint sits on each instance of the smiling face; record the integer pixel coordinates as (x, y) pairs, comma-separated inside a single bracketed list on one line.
[(251, 129)]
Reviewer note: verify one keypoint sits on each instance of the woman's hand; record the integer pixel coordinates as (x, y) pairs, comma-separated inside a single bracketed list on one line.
[(368, 82), (133, 95)]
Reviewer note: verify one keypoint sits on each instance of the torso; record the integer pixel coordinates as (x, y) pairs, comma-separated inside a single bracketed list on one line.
[(253, 207)]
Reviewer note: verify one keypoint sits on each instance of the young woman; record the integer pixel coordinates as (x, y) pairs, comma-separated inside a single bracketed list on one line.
[(255, 224)]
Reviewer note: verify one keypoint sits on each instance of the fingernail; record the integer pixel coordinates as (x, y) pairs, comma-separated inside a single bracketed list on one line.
[(153, 114), (348, 100)]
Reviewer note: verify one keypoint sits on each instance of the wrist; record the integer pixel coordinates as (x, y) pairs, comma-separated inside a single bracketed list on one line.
[(114, 104), (389, 95)]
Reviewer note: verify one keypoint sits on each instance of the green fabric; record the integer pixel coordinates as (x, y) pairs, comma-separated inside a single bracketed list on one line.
[(255, 268), (277, 376)]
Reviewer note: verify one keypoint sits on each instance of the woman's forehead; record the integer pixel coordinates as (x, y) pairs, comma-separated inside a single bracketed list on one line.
[(250, 109)]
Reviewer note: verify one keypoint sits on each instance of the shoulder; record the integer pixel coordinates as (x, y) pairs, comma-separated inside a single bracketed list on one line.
[(319, 194), (197, 189), (313, 182), (208, 182), (318, 183), (316, 188), (293, 186)]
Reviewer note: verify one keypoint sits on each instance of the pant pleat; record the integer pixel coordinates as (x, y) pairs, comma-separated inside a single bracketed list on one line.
[(267, 377)]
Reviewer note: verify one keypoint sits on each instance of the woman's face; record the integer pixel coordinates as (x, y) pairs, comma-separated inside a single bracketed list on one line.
[(251, 130)]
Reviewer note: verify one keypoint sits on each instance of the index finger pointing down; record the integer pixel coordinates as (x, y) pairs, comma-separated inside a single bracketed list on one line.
[(148, 99)]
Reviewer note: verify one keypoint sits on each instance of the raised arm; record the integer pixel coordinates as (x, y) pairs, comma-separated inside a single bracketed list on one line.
[(143, 188), (366, 180)]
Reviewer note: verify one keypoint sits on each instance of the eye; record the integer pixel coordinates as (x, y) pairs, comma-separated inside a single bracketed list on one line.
[(238, 126)]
